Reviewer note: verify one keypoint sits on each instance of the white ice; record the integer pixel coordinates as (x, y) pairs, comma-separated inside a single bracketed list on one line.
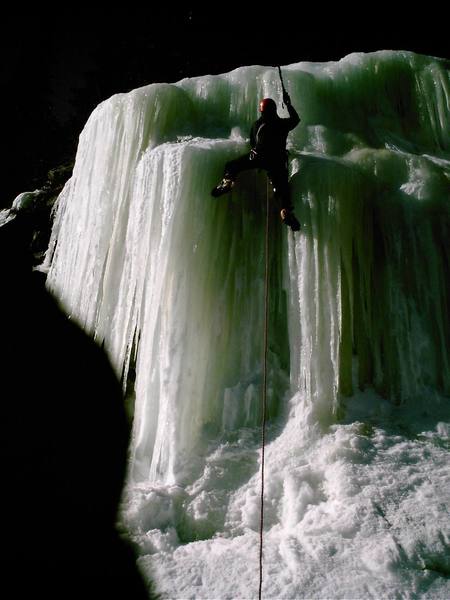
[(171, 281)]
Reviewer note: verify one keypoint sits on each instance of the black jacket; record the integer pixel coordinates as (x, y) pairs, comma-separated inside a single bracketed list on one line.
[(268, 135)]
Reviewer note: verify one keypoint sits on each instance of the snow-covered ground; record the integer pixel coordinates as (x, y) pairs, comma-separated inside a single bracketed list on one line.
[(359, 511)]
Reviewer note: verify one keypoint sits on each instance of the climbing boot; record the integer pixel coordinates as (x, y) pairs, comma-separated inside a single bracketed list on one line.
[(223, 187), (289, 219)]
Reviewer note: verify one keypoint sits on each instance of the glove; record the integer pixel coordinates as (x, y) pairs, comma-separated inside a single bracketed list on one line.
[(286, 98)]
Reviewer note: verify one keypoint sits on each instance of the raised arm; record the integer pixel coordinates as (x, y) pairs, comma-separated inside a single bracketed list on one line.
[(293, 120)]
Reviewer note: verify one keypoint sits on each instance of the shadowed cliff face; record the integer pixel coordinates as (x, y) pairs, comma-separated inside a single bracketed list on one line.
[(64, 446)]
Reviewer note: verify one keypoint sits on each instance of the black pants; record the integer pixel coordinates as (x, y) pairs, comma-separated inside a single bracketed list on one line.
[(277, 173)]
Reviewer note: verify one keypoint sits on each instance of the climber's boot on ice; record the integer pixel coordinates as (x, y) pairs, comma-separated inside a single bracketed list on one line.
[(223, 187)]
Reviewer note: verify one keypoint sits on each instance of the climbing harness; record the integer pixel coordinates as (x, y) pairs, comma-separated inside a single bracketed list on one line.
[(264, 389)]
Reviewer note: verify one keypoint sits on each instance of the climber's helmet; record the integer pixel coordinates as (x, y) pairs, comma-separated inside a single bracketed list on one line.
[(267, 107)]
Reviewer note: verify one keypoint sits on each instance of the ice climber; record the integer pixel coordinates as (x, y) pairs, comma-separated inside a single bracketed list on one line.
[(268, 151)]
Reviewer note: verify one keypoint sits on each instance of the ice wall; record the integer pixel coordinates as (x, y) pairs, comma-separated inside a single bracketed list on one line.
[(171, 280)]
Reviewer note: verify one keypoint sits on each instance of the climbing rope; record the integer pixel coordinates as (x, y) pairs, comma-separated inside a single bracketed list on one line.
[(264, 390)]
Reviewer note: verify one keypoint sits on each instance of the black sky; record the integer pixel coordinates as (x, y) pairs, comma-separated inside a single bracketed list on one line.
[(56, 69)]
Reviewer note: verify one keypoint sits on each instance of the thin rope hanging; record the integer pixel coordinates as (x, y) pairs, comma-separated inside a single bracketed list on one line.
[(264, 390)]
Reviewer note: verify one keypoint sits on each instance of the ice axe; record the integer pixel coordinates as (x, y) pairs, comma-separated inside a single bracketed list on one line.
[(282, 84)]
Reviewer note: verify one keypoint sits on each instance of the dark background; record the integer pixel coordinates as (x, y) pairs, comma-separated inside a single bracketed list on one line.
[(57, 68)]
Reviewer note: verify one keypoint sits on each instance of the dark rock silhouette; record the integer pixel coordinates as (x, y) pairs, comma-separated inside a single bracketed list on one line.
[(64, 446)]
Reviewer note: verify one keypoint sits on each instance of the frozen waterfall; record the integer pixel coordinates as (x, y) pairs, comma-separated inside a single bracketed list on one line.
[(171, 281)]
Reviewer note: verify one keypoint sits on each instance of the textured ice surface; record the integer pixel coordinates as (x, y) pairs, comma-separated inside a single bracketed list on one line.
[(171, 281)]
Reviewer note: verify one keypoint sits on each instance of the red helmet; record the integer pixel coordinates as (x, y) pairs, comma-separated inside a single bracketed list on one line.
[(267, 106)]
